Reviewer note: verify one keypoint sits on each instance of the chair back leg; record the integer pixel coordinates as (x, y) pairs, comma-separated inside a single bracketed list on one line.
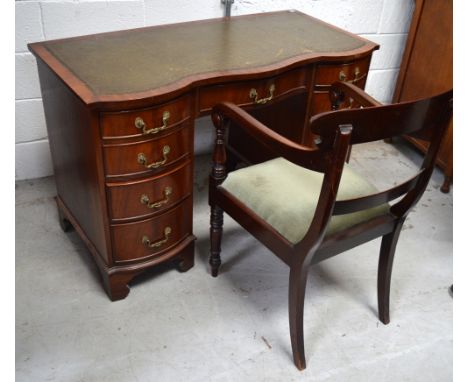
[(297, 288), (387, 252), (216, 232)]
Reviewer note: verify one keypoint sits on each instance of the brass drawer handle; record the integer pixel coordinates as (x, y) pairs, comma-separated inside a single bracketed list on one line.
[(357, 78), (261, 101), (142, 158), (145, 199), (146, 241), (141, 124)]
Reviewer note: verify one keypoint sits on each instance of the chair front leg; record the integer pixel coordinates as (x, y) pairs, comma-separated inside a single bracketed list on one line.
[(218, 174), (387, 252), (297, 288), (216, 233)]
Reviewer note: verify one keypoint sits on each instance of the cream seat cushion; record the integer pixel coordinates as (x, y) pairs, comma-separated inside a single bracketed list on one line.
[(285, 195)]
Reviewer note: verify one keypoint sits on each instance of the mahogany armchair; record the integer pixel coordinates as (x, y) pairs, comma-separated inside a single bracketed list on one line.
[(307, 205)]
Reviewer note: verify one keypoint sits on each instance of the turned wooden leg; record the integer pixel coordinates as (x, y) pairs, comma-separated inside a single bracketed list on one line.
[(387, 252), (445, 188), (186, 259), (216, 232), (116, 284), (63, 221), (297, 288)]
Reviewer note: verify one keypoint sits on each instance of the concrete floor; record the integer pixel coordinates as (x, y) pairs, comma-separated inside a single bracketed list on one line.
[(191, 327)]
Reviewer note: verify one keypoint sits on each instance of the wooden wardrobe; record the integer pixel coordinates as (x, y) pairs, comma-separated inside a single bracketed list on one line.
[(426, 68)]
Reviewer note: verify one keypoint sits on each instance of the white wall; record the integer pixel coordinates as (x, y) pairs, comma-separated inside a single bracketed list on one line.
[(383, 21)]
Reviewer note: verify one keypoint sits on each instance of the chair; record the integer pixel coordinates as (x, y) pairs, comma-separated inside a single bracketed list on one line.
[(307, 205)]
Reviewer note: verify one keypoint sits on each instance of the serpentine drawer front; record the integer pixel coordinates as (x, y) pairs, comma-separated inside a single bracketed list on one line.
[(149, 196), (148, 238), (253, 92), (354, 72), (121, 129), (149, 122), (146, 157)]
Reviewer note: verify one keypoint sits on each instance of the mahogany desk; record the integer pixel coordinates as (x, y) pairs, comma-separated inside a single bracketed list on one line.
[(120, 110)]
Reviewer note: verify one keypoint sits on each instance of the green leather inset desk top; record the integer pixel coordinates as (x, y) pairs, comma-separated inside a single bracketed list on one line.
[(148, 58)]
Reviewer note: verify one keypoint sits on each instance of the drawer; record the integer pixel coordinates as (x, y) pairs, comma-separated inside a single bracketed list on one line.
[(152, 237), (355, 72), (145, 122), (143, 198), (251, 92), (138, 158)]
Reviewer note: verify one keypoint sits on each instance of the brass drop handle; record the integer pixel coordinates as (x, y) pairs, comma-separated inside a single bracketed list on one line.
[(254, 95), (357, 77), (142, 158), (141, 124), (146, 241), (145, 199)]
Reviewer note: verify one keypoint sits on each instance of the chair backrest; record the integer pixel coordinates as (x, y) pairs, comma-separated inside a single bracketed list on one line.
[(420, 118), (426, 118)]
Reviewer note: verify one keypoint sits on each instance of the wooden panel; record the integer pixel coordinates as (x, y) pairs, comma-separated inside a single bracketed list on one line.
[(73, 134), (128, 238), (123, 159), (240, 92), (122, 124), (125, 198), (427, 67)]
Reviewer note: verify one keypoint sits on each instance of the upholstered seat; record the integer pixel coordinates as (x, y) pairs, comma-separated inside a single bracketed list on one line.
[(285, 195)]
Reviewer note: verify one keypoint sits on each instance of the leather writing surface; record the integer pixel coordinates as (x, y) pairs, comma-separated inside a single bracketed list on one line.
[(147, 58)]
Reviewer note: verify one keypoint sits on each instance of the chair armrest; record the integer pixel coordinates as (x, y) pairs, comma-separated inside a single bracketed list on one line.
[(341, 91), (292, 151)]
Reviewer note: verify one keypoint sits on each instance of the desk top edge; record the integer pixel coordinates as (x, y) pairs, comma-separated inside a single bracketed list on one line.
[(167, 91)]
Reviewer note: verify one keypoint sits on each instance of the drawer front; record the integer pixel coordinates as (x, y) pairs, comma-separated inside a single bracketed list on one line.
[(145, 122), (147, 157), (251, 92), (143, 198), (354, 72), (152, 237)]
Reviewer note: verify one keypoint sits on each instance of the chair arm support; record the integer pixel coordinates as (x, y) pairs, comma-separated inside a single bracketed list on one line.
[(341, 91), (292, 151)]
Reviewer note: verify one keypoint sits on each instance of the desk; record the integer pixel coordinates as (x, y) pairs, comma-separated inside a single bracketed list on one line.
[(120, 110)]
